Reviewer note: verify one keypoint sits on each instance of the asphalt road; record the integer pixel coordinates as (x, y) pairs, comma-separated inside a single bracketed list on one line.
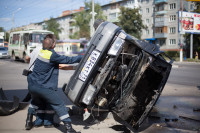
[(185, 74), (174, 111)]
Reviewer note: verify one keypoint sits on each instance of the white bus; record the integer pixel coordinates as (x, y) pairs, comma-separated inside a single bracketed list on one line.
[(22, 43)]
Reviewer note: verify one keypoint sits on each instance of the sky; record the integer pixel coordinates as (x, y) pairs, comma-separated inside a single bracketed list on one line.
[(16, 13)]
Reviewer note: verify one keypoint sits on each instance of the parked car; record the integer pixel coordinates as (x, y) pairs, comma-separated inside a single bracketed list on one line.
[(3, 52), (119, 74)]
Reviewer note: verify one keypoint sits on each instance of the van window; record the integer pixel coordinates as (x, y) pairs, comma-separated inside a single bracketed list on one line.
[(15, 39)]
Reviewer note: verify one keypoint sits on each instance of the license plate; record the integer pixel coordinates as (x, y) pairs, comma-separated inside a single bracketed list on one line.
[(89, 65)]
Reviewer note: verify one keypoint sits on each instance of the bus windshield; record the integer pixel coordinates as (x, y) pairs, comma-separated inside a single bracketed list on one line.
[(37, 38)]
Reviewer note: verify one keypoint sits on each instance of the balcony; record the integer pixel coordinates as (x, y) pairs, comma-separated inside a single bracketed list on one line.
[(161, 12), (160, 35), (161, 23), (160, 1)]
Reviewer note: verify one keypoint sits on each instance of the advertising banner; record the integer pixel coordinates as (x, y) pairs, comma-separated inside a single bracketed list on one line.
[(190, 22)]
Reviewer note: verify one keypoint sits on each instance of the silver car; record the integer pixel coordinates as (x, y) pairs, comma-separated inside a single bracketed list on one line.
[(3, 52)]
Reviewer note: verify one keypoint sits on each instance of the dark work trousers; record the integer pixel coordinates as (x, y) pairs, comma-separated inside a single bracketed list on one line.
[(45, 115), (50, 97)]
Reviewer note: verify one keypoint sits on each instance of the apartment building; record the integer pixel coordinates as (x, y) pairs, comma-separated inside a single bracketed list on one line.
[(160, 17)]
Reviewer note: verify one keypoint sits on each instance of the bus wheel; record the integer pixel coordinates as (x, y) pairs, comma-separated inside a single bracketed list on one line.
[(13, 56), (24, 58)]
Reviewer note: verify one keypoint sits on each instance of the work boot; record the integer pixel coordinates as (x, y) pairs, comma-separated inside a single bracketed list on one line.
[(69, 128), (29, 121)]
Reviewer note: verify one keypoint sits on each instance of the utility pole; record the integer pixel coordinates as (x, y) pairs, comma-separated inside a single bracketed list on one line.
[(181, 45), (191, 46), (13, 15)]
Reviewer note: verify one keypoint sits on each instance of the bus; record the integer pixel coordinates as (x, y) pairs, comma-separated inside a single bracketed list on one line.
[(22, 43)]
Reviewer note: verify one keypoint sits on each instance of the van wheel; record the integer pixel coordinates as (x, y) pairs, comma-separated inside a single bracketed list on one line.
[(24, 58), (13, 56)]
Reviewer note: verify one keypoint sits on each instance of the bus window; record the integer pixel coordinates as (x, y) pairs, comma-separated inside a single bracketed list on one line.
[(15, 39), (26, 38), (37, 38)]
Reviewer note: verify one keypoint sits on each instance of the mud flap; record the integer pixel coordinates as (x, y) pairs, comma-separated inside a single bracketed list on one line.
[(8, 107), (3, 96)]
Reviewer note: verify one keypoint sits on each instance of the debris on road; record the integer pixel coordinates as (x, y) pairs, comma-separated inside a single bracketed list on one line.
[(196, 109), (189, 118)]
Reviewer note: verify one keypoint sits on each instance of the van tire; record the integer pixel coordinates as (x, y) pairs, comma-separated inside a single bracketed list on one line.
[(24, 58), (13, 56)]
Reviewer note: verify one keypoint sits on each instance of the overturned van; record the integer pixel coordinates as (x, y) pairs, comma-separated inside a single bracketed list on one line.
[(119, 74)]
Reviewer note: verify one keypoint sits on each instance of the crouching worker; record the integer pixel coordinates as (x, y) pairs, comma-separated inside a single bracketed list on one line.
[(43, 81)]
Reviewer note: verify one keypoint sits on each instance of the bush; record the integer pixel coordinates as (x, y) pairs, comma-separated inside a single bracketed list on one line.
[(173, 54)]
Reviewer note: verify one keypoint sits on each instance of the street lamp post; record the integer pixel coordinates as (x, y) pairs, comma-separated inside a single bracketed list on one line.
[(13, 15), (92, 21)]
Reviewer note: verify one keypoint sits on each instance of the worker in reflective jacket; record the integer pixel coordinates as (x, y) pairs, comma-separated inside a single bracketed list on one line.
[(43, 81)]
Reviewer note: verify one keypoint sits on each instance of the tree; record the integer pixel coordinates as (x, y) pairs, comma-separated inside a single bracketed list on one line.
[(54, 26), (82, 19), (6, 34), (2, 29), (131, 21)]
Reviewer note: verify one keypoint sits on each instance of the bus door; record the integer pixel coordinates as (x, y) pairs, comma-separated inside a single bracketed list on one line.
[(16, 43)]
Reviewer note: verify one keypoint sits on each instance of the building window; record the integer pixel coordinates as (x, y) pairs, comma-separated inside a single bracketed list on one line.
[(161, 42), (172, 30), (147, 21), (112, 16), (159, 30), (140, 11), (147, 32), (159, 19), (172, 6), (172, 41), (147, 10), (160, 7), (113, 6), (172, 18)]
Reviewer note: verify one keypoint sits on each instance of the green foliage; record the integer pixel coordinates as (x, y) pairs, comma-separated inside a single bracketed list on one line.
[(2, 29), (54, 26), (172, 54), (131, 21), (7, 34), (74, 36), (83, 19), (197, 4)]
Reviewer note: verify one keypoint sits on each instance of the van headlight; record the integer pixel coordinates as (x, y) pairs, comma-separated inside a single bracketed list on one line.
[(116, 46)]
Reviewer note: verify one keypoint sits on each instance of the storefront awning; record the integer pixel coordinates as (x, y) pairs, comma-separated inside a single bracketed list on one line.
[(150, 39)]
